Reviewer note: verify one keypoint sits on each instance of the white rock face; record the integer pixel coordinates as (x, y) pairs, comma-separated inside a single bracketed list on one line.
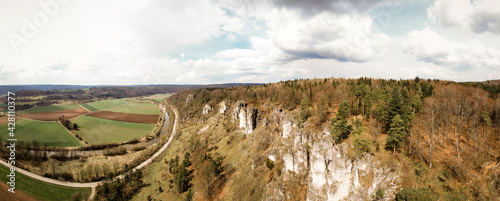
[(245, 116), (287, 128), (207, 109), (222, 107), (330, 174), (242, 115), (189, 98)]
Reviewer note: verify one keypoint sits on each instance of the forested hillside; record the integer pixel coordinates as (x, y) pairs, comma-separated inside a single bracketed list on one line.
[(440, 139)]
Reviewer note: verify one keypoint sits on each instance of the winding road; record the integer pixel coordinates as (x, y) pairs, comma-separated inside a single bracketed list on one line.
[(93, 185)]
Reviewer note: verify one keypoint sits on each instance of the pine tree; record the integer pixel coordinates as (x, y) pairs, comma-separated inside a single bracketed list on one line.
[(397, 133), (305, 113), (340, 129), (395, 105)]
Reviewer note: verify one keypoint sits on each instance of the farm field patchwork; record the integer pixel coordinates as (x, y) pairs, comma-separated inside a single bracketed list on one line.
[(40, 109), (41, 190), (54, 115), (52, 133), (137, 108), (98, 130), (104, 104)]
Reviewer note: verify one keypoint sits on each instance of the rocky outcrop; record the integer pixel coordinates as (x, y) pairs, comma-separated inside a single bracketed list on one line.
[(207, 109), (330, 174), (189, 98), (245, 116), (251, 120), (222, 107)]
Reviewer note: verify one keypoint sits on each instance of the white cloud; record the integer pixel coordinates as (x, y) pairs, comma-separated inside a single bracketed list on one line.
[(429, 46), (159, 42), (348, 37), (478, 16)]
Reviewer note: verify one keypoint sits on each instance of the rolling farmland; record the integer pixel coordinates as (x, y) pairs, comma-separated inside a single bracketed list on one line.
[(137, 108), (54, 115), (104, 104), (41, 109), (51, 133), (97, 130)]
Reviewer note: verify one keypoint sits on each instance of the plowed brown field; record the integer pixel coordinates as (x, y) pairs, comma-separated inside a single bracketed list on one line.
[(127, 117), (54, 116)]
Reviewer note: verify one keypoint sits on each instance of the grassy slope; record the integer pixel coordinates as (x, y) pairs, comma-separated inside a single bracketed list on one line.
[(232, 152), (51, 133), (41, 109), (104, 104), (137, 108), (97, 131), (42, 190)]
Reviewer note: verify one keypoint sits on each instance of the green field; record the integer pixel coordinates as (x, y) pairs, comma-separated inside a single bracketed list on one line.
[(160, 97), (41, 109), (99, 131), (51, 133), (104, 104), (27, 103), (42, 190), (137, 108), (3, 105)]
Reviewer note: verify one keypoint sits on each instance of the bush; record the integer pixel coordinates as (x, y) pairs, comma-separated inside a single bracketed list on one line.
[(361, 145), (269, 164), (138, 148), (115, 151), (76, 196), (189, 195), (379, 194), (414, 194)]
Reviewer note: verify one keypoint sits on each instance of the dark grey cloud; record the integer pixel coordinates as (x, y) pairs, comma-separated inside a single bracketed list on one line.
[(312, 7), (486, 22)]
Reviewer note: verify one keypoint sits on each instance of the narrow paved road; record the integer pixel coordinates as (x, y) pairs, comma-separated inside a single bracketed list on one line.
[(93, 185)]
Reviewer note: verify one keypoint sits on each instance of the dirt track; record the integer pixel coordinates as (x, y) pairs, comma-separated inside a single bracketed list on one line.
[(18, 196), (54, 116), (135, 118)]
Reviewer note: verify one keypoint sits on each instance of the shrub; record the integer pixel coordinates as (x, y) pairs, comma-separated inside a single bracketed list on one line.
[(115, 151), (269, 164), (379, 194), (138, 148), (361, 145), (414, 194)]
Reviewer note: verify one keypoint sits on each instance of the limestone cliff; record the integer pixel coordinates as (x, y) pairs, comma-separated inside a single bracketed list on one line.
[(312, 160)]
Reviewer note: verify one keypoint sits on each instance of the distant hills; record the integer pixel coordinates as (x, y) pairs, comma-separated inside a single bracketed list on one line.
[(172, 88)]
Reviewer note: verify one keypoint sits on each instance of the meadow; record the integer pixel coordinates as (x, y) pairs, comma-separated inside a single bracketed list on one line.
[(160, 97), (51, 133), (42, 190), (98, 131), (40, 109), (137, 108), (104, 104)]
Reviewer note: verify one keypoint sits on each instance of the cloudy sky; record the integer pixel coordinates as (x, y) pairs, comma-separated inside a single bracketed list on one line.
[(124, 42)]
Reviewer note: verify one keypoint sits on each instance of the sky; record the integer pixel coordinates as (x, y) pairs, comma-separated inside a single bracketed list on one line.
[(142, 42)]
